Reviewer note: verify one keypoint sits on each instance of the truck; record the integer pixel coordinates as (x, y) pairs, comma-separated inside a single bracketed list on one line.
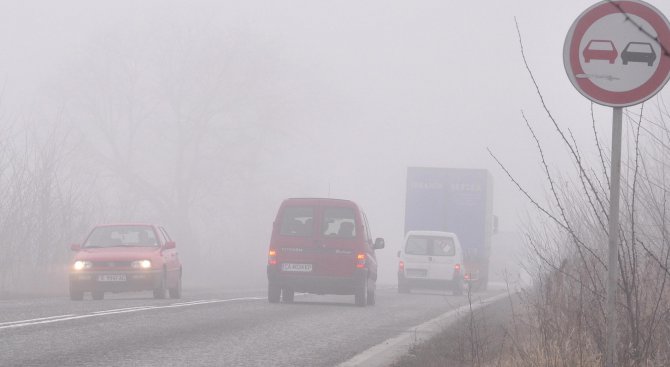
[(457, 200)]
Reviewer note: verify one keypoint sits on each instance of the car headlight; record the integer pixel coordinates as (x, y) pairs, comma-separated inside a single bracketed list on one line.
[(81, 265), (141, 264)]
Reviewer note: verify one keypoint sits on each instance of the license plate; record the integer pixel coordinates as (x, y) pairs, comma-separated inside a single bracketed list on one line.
[(417, 273), (301, 268), (112, 278)]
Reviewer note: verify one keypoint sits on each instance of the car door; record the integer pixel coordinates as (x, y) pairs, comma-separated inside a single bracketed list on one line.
[(442, 258), (416, 255), (295, 239), (340, 239), (170, 257), (369, 247)]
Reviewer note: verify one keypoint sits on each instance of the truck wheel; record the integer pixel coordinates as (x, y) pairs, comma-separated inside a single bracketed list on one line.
[(274, 293), (98, 295), (372, 298), (458, 287), (76, 295), (287, 295), (360, 298)]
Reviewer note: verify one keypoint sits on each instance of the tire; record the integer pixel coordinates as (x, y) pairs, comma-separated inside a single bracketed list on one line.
[(287, 295), (98, 295), (175, 293), (372, 297), (274, 293), (159, 293), (403, 287), (76, 295), (361, 295)]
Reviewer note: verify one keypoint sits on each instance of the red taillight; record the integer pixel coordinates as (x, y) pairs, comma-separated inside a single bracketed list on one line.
[(360, 260), (457, 267), (401, 266), (272, 257)]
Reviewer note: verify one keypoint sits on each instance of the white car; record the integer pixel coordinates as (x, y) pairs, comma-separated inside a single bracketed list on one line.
[(430, 260)]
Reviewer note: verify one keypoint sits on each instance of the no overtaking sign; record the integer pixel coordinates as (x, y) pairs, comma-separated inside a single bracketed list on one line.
[(615, 53)]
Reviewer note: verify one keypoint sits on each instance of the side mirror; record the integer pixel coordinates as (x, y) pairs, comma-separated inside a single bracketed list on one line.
[(379, 244), (169, 245), (75, 247)]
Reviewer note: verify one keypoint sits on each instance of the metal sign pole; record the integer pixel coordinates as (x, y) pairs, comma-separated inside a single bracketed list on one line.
[(613, 264)]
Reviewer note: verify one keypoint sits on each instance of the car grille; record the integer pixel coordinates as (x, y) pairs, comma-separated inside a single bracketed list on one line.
[(111, 264)]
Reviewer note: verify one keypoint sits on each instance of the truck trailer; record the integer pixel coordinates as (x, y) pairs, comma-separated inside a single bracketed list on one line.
[(455, 200)]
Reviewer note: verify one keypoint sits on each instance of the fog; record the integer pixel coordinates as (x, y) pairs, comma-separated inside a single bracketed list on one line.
[(205, 115)]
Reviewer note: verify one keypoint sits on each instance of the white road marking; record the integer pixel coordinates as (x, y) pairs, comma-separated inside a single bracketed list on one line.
[(39, 319), (53, 319), (388, 351)]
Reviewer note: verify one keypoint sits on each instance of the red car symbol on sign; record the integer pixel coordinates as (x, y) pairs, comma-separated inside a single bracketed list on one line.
[(600, 50)]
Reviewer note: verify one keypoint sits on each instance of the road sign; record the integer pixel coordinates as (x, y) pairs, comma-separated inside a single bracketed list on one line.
[(613, 62)]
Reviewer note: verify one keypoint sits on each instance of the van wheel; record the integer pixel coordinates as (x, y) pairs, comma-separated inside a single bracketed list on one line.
[(360, 298), (274, 293), (98, 295), (372, 298), (175, 293), (287, 295), (76, 295)]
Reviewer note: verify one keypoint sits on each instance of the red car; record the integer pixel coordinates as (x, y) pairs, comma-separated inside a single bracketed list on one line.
[(322, 246), (600, 50), (126, 257)]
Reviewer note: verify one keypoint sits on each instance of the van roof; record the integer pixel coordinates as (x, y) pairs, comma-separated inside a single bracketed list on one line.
[(432, 233), (314, 201)]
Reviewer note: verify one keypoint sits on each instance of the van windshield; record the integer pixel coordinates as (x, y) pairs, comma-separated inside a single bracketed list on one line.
[(297, 221), (339, 223), (431, 246)]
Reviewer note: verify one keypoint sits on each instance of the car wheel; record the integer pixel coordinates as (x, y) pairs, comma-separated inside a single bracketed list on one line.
[(360, 298), (287, 295), (175, 293), (403, 287), (98, 295), (76, 295), (159, 293), (274, 293)]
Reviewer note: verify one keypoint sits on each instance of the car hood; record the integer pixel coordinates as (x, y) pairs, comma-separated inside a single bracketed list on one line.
[(117, 253)]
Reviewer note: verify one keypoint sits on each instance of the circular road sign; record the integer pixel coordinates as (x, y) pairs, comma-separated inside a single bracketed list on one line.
[(616, 52)]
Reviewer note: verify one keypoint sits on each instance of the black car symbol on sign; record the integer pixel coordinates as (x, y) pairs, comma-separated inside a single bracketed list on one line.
[(638, 52)]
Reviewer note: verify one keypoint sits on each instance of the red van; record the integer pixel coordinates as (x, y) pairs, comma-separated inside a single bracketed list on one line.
[(123, 258), (322, 246)]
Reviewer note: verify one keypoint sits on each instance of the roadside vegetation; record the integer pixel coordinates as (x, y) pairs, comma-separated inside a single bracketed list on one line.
[(560, 320)]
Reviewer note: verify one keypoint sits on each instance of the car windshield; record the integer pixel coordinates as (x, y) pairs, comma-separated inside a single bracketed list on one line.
[(297, 221), (600, 45), (117, 236), (434, 246), (639, 47), (339, 222)]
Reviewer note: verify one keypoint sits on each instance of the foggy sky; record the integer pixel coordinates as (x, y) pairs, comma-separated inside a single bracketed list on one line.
[(365, 89)]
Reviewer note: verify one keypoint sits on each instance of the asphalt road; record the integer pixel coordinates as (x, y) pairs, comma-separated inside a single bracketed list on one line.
[(208, 328)]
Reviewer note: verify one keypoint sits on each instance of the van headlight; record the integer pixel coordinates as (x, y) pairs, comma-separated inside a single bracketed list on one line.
[(81, 265), (141, 264)]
